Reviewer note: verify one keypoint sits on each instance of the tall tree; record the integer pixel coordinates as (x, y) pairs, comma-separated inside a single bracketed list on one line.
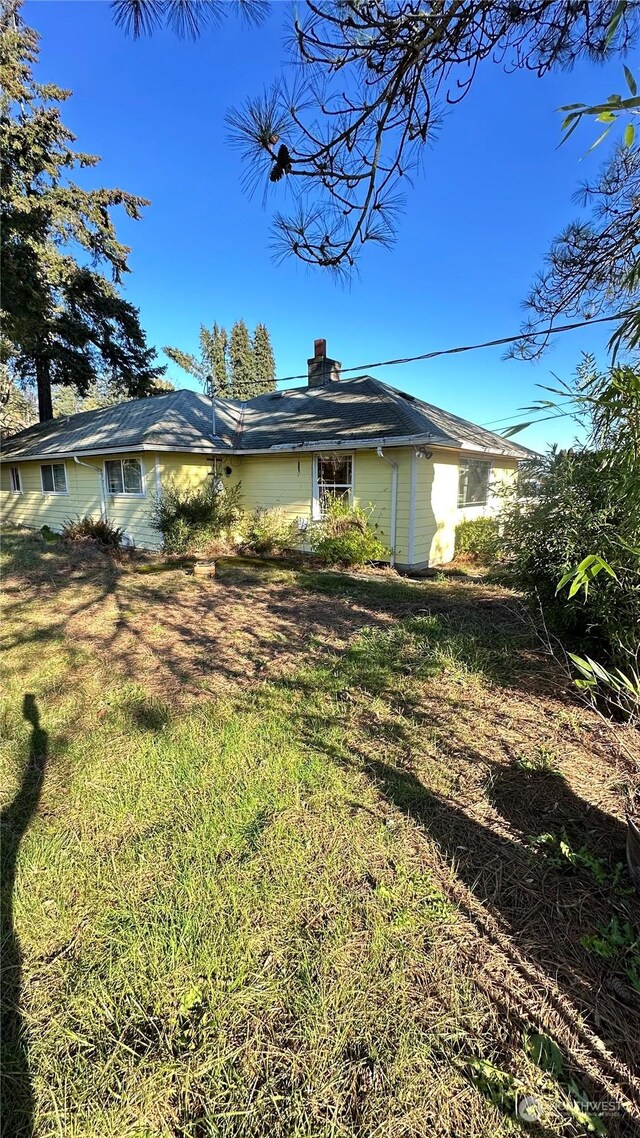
[(239, 365), (216, 344), (64, 322), (264, 360), (243, 376), (18, 406), (211, 364)]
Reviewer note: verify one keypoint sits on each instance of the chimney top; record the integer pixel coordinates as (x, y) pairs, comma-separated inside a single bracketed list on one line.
[(321, 369)]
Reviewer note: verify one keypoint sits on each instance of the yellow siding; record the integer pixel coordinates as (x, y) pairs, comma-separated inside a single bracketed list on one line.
[(282, 481), (437, 503), (278, 480), (184, 471), (285, 481), (35, 509)]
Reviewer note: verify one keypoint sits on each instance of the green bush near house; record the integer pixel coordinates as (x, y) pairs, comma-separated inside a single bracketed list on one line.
[(346, 536), (189, 520), (94, 529), (269, 531), (479, 537)]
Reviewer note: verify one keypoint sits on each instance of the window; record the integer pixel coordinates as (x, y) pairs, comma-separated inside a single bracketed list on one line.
[(16, 485), (54, 478), (124, 476), (334, 473), (473, 484)]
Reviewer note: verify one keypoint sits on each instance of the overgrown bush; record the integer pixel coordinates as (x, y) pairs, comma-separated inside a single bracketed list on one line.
[(479, 537), (96, 529), (582, 514), (346, 536), (269, 531), (190, 520)]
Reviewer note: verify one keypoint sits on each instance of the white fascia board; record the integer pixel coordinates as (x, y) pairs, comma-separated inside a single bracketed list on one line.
[(55, 456), (284, 448), (340, 444)]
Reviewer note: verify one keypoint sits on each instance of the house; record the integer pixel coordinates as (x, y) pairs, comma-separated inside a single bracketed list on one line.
[(419, 469)]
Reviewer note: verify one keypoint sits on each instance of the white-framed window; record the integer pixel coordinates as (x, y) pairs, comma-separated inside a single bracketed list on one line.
[(53, 476), (333, 478), (124, 476), (16, 484), (473, 481)]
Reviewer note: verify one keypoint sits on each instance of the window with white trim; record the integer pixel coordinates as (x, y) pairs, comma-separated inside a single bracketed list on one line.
[(54, 478), (124, 476), (473, 482), (334, 479), (14, 475)]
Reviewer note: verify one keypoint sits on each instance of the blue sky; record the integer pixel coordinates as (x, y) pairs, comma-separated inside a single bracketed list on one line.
[(494, 190)]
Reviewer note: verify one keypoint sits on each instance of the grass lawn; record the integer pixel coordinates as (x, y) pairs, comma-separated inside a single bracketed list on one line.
[(289, 853)]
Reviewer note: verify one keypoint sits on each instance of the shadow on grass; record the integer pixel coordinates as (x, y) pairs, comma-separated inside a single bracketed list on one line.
[(17, 1094), (533, 903)]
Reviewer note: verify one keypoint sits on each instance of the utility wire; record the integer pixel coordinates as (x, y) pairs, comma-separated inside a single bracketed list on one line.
[(470, 347)]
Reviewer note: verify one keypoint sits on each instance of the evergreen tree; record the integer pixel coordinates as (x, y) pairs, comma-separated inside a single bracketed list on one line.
[(216, 343), (63, 321), (240, 367), (243, 378), (18, 405), (264, 361), (212, 361)]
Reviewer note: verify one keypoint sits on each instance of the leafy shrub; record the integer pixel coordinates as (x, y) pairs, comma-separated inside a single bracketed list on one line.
[(345, 536), (189, 520), (269, 531), (479, 537), (95, 529), (575, 539)]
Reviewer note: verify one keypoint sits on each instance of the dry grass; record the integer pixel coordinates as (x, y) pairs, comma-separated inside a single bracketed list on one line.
[(312, 800)]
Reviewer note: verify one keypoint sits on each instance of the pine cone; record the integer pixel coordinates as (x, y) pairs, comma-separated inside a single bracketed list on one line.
[(282, 165)]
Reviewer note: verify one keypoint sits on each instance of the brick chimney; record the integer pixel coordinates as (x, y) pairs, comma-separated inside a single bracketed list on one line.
[(322, 370)]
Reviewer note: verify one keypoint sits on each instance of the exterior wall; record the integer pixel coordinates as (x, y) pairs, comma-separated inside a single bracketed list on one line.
[(286, 481), (34, 508), (437, 512), (280, 480)]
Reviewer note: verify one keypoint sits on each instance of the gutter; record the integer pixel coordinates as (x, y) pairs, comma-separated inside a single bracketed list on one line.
[(394, 502), (96, 470), (279, 448)]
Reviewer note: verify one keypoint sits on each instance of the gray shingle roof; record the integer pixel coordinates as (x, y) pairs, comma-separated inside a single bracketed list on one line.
[(348, 412), (179, 420)]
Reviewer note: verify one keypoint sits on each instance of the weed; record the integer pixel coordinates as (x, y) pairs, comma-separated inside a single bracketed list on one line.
[(541, 759), (94, 529), (559, 853), (618, 943)]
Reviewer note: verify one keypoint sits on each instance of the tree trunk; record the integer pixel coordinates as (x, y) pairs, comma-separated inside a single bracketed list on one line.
[(43, 377)]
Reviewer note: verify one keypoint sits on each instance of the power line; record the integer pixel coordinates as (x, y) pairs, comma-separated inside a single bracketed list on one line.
[(470, 347)]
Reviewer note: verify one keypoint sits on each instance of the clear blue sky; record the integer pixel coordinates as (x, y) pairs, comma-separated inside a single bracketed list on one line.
[(494, 191)]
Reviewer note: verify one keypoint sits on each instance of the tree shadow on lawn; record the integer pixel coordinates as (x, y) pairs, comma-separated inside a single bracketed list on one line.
[(17, 1094), (531, 904), (183, 637)]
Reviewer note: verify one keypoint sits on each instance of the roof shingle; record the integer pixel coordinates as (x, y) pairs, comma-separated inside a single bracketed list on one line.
[(351, 411)]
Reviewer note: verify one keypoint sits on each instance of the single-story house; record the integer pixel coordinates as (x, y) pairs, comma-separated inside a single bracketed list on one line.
[(418, 468)]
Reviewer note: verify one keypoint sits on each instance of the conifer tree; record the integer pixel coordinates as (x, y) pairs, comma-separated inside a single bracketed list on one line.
[(216, 345), (212, 361), (63, 321), (243, 380), (239, 365), (264, 361)]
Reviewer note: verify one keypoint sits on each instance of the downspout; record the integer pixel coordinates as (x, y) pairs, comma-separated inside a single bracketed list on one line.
[(394, 502), (96, 470)]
